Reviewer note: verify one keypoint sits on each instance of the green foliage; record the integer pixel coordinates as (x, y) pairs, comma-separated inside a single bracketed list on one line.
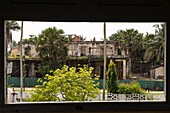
[(13, 56), (45, 66), (155, 47), (51, 48), (79, 58), (73, 85), (130, 39), (112, 78), (129, 76), (28, 41), (13, 25), (131, 88), (148, 48)]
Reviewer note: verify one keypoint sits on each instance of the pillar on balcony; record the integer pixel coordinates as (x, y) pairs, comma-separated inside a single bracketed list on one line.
[(124, 69), (32, 69)]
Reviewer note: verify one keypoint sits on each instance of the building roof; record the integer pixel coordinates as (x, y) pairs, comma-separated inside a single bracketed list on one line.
[(157, 66)]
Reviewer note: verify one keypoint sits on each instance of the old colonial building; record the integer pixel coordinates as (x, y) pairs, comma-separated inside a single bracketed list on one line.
[(30, 60), (94, 53), (28, 50), (86, 52)]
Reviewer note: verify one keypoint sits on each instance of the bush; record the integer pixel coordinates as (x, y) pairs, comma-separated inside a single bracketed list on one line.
[(131, 88), (73, 85), (112, 78)]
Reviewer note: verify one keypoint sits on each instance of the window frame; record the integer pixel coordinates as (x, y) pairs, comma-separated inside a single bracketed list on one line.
[(107, 15)]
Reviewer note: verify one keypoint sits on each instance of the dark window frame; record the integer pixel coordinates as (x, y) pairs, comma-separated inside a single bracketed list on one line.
[(150, 11)]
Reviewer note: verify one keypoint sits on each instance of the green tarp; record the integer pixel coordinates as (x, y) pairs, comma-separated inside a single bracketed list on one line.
[(31, 82)]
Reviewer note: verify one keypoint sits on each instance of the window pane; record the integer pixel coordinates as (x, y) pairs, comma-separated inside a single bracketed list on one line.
[(64, 62)]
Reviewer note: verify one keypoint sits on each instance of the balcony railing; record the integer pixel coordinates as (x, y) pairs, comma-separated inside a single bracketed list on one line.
[(108, 56)]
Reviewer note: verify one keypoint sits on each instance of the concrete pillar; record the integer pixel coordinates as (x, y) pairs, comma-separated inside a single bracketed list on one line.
[(32, 69), (127, 68), (97, 69), (124, 69)]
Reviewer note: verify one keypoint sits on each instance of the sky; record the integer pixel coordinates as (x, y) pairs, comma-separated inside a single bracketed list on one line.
[(89, 30)]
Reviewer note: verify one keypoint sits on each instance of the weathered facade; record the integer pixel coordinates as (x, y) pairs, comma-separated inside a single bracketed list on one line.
[(94, 51), (90, 53), (30, 65), (27, 50)]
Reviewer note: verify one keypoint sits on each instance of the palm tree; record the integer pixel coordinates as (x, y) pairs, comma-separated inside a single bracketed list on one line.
[(10, 25), (51, 47), (117, 37), (155, 48), (130, 39)]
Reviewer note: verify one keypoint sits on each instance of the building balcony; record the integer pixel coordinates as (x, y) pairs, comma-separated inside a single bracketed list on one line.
[(118, 56), (108, 56)]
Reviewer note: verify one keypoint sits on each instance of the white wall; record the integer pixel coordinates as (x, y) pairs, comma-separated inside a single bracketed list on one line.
[(159, 71)]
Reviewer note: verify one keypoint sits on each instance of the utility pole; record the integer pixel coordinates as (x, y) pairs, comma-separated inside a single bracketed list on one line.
[(104, 72), (21, 65)]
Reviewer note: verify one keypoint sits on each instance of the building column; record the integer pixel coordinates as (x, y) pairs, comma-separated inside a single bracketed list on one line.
[(127, 68), (97, 69), (32, 70), (124, 69)]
